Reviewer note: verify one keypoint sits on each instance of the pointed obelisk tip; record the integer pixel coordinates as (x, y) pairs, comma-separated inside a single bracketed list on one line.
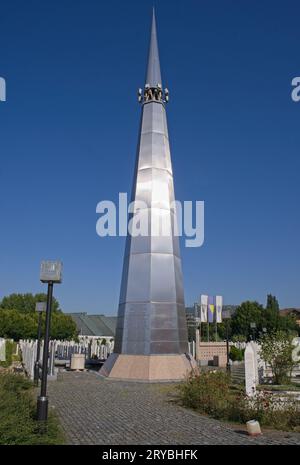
[(153, 76)]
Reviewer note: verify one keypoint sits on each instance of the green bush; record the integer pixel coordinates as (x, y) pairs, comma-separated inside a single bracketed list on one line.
[(207, 392), (276, 350), (235, 354), (17, 414), (211, 393)]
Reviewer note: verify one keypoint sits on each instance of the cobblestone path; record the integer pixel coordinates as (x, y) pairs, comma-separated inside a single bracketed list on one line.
[(94, 410)]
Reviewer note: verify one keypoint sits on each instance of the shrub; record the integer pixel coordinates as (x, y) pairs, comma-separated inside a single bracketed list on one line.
[(276, 350), (235, 354), (239, 338), (270, 410), (17, 414), (211, 393), (207, 392)]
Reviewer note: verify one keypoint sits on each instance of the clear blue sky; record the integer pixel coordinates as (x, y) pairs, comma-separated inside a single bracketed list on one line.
[(68, 134)]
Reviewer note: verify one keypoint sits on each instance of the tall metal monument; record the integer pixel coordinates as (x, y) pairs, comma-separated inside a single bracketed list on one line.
[(151, 336)]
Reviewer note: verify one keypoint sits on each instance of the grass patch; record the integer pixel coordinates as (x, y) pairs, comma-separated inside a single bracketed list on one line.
[(17, 414), (211, 393)]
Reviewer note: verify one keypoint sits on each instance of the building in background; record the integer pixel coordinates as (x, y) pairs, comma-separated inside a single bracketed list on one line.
[(291, 311), (94, 326), (191, 314)]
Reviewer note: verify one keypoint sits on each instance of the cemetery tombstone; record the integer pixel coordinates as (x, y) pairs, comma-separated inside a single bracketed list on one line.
[(258, 362), (2, 350), (250, 370)]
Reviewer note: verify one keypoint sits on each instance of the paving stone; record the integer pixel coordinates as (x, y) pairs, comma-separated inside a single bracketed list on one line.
[(95, 410)]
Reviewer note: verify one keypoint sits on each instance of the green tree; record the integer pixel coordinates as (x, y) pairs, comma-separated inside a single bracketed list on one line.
[(246, 313), (26, 302), (19, 320), (273, 321), (271, 314), (272, 303)]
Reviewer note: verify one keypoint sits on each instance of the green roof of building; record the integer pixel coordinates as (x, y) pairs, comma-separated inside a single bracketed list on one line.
[(95, 325)]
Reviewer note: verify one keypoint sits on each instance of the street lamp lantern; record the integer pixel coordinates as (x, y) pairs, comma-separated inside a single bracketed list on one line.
[(50, 273), (226, 317), (253, 327), (40, 307)]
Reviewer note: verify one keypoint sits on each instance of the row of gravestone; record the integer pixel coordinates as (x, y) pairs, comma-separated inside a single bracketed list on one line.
[(59, 350)]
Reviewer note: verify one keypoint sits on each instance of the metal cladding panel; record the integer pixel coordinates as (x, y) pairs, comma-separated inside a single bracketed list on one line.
[(151, 318), (145, 151), (178, 281), (154, 152), (139, 278), (165, 124), (161, 157), (161, 225), (163, 286), (140, 244), (161, 245), (164, 335), (176, 249), (162, 190), (183, 345), (164, 316), (136, 329), (165, 347), (143, 190), (154, 187), (124, 282), (153, 118)]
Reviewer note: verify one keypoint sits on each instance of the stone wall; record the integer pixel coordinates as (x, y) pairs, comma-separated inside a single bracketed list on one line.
[(213, 352)]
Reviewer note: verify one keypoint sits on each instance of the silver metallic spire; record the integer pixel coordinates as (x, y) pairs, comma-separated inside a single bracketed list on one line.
[(153, 76), (151, 335)]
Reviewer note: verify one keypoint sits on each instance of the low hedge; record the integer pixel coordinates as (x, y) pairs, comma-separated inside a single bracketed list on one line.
[(18, 425)]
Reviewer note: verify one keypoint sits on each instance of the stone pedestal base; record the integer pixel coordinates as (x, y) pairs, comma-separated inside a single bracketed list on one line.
[(148, 367)]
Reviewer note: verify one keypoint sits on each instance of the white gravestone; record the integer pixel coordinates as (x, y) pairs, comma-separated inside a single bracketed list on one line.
[(2, 350), (259, 364), (296, 350), (250, 370)]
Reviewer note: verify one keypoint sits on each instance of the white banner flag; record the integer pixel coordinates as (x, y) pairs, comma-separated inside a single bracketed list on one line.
[(203, 308), (219, 307)]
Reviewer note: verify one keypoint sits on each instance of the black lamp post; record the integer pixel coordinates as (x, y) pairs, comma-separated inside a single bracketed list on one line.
[(51, 272), (226, 317), (253, 327), (40, 307)]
